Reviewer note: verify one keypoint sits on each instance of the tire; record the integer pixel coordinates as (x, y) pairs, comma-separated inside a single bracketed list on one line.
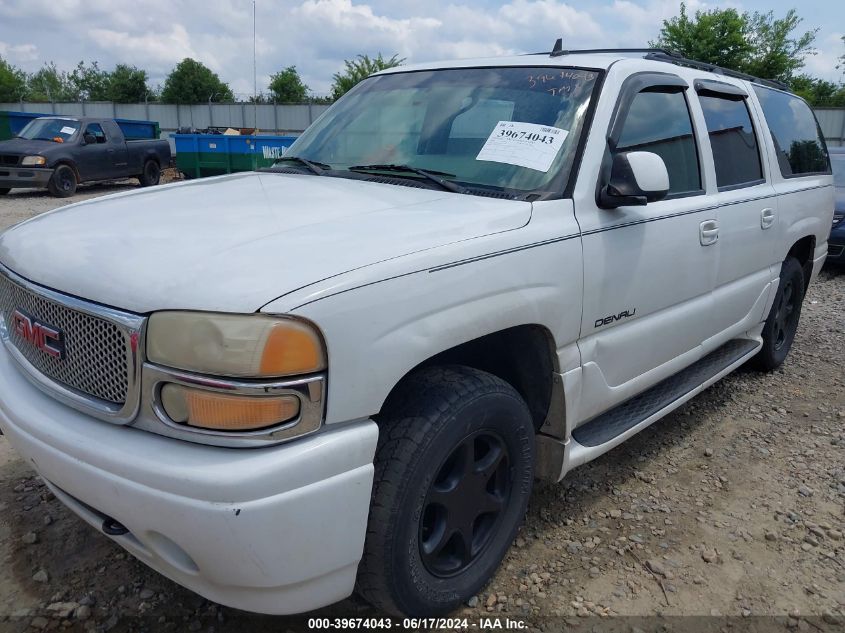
[(436, 420), (63, 183), (151, 174), (782, 322), (4, 190)]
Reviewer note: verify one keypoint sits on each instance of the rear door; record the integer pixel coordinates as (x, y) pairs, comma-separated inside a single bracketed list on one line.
[(118, 152), (648, 270), (748, 208)]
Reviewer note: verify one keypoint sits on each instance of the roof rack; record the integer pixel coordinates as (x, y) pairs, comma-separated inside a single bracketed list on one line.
[(671, 57)]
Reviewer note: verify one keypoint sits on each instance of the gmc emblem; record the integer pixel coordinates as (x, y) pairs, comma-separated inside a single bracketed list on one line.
[(45, 337)]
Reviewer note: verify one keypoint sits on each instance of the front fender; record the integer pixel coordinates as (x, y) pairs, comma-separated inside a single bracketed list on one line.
[(377, 332)]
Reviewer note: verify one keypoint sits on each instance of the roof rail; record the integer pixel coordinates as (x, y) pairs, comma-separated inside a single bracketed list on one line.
[(660, 56), (671, 57)]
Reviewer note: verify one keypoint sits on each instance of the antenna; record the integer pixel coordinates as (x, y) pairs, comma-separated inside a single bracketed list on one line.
[(557, 49)]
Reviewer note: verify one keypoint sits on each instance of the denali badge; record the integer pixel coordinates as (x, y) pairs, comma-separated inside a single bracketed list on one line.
[(615, 317), (45, 337)]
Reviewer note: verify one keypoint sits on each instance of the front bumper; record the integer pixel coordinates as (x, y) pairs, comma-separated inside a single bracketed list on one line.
[(275, 530), (14, 177)]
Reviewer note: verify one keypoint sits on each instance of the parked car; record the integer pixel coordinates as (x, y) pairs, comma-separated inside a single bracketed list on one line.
[(347, 370), (60, 152), (836, 242)]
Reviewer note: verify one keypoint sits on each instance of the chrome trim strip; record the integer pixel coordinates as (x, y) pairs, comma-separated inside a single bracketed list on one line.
[(132, 327), (309, 390)]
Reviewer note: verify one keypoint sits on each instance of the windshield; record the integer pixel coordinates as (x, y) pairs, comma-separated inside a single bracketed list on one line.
[(505, 128), (837, 163), (56, 130)]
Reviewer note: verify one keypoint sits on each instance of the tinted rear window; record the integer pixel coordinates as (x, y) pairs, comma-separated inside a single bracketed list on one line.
[(732, 140), (798, 141)]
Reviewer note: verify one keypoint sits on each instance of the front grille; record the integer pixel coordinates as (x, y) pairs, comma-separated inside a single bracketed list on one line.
[(97, 358), (6, 159)]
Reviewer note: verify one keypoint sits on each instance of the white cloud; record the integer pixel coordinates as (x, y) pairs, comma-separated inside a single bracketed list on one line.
[(18, 53), (317, 35)]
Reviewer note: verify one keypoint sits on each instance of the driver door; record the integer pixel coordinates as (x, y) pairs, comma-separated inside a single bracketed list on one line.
[(649, 271), (94, 160)]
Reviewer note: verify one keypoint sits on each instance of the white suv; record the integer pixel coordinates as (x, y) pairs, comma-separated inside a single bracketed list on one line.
[(345, 372)]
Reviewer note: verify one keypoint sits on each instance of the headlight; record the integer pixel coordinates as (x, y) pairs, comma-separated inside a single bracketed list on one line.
[(837, 218), (252, 346), (31, 161)]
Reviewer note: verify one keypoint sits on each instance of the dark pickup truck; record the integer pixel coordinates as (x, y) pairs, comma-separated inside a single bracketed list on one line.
[(60, 152)]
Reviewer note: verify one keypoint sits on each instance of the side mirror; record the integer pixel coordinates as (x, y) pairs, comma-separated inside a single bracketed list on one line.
[(636, 178), (89, 139)]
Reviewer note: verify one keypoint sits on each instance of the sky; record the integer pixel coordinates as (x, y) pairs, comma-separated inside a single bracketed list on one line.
[(317, 35)]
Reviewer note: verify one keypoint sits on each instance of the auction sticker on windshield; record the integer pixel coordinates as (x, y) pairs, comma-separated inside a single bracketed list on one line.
[(525, 144)]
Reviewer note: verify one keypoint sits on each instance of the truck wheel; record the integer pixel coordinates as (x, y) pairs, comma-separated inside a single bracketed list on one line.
[(151, 174), (782, 322), (454, 469), (63, 182), (4, 190)]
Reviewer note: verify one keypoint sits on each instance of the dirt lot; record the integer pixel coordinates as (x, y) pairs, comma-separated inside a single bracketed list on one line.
[(733, 506)]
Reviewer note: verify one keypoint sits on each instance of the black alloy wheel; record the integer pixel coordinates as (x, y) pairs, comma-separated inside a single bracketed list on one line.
[(464, 504), (782, 322), (454, 468)]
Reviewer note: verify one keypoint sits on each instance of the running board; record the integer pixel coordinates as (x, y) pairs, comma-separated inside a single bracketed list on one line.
[(667, 394)]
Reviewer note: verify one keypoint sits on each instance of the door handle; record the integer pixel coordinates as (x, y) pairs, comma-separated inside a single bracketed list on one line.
[(708, 232), (767, 218)]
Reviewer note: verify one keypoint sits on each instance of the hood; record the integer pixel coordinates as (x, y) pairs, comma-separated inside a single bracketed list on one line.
[(234, 243), (26, 147)]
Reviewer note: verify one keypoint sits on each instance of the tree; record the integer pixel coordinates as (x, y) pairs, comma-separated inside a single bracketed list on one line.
[(193, 82), (818, 92), (286, 86), (89, 82), (128, 84), (754, 43), (50, 84), (358, 69), (12, 82)]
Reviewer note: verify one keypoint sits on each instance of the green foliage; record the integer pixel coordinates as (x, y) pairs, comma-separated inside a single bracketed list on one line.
[(358, 69), (51, 84), (193, 82), (754, 43), (128, 84), (719, 36), (89, 82), (286, 86), (818, 92), (12, 82)]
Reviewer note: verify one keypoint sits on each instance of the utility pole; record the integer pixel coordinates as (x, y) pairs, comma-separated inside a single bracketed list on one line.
[(254, 76)]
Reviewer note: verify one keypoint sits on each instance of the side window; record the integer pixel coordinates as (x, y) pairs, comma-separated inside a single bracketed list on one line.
[(732, 139), (798, 142), (97, 130), (660, 122)]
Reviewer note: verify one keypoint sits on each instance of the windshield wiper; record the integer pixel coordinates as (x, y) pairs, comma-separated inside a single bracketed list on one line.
[(430, 174), (317, 168)]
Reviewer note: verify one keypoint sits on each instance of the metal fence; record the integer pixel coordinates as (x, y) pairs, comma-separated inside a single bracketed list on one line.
[(278, 119), (832, 122)]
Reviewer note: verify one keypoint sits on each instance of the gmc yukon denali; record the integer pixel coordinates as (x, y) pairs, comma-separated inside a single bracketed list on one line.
[(60, 152), (345, 372)]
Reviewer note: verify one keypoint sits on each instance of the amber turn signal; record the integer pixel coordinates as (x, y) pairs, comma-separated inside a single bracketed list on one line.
[(225, 412)]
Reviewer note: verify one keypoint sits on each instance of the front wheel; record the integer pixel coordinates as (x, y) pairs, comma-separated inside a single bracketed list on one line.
[(782, 322), (63, 182), (453, 474), (151, 174)]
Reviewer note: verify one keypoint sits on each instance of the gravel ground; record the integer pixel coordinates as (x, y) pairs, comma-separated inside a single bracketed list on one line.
[(732, 506)]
